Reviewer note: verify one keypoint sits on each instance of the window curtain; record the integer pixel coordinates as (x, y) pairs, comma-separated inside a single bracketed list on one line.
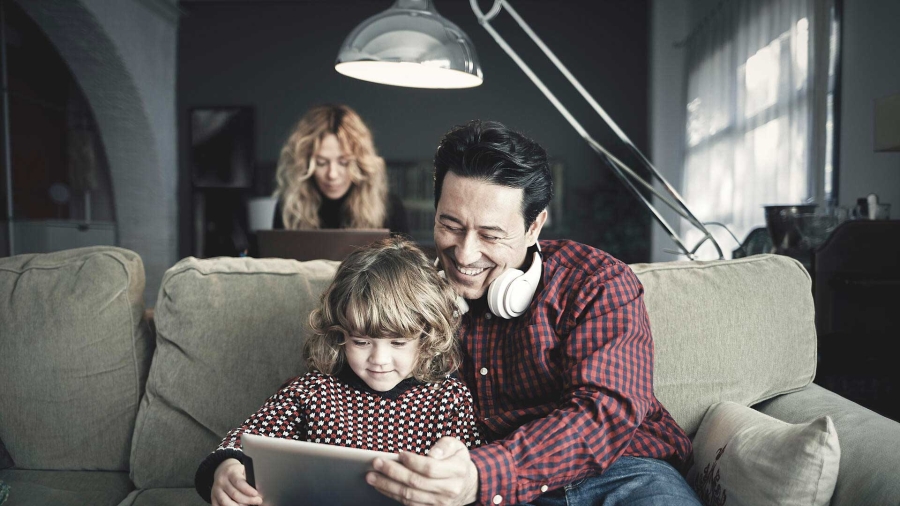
[(754, 136)]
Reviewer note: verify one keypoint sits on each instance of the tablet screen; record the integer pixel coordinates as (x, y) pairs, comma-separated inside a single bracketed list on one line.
[(288, 472)]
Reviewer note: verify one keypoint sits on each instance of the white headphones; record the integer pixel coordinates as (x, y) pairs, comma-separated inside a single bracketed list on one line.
[(510, 294)]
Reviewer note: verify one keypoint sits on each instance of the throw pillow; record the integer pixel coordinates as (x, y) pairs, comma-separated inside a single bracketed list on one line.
[(744, 457)]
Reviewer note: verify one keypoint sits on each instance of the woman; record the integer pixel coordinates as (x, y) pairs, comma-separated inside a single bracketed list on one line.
[(330, 176)]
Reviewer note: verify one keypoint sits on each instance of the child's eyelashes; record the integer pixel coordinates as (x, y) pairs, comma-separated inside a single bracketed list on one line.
[(395, 343)]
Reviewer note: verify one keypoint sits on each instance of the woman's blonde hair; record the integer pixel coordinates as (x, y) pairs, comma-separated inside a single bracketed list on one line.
[(387, 290), (365, 206)]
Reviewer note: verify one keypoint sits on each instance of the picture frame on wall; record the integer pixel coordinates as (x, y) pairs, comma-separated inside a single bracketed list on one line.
[(221, 147)]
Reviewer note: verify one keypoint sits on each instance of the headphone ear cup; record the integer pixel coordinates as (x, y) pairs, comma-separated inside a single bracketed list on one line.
[(497, 292), (510, 294), (518, 296)]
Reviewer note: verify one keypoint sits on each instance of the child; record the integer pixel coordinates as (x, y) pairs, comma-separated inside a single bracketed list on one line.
[(383, 339)]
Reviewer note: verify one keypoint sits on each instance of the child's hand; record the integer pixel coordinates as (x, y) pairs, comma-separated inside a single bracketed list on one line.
[(230, 487)]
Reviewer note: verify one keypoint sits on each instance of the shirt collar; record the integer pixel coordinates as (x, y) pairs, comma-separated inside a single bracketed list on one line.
[(349, 377)]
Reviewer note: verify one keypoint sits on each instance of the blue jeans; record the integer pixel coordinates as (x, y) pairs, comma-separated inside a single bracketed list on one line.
[(630, 480)]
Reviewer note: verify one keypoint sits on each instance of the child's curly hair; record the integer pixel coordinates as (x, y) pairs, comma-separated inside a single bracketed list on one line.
[(388, 289)]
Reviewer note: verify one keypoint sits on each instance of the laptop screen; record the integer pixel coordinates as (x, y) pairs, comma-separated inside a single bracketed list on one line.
[(321, 244)]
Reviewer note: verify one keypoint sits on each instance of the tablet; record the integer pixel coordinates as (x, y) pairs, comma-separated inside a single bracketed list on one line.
[(288, 472)]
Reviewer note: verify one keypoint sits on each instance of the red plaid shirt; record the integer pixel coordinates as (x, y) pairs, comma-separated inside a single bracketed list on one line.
[(566, 388)]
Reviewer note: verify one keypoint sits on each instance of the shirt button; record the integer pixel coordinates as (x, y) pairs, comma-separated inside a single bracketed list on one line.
[(544, 488), (484, 372), (488, 316), (497, 499)]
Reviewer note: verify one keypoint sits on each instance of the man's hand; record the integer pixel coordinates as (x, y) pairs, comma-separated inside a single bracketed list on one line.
[(446, 477), (230, 487)]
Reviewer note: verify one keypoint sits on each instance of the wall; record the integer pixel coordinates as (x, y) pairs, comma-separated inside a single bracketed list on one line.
[(278, 57), (122, 54), (669, 22), (869, 71)]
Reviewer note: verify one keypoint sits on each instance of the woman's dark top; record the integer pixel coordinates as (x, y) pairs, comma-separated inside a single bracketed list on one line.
[(330, 215)]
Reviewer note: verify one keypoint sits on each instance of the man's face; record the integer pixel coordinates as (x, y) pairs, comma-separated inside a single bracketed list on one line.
[(479, 232)]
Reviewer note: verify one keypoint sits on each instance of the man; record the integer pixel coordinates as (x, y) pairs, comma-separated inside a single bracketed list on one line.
[(564, 390)]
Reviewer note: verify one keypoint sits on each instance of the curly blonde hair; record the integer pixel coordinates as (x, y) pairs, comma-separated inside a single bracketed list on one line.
[(365, 206), (388, 289)]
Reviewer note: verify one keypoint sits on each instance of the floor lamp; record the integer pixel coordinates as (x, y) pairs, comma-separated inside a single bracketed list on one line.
[(410, 44)]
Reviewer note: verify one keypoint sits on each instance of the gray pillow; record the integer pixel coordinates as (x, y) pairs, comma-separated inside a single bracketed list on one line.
[(736, 330), (229, 333), (74, 355)]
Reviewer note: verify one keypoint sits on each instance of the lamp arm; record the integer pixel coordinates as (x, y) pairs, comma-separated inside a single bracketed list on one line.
[(620, 169), (640, 196)]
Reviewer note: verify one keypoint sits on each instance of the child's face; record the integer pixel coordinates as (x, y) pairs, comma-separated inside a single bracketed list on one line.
[(381, 363)]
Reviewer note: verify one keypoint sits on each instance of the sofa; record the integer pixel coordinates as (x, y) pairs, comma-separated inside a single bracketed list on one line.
[(104, 401)]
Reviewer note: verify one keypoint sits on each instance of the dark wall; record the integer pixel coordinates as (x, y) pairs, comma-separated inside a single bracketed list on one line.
[(278, 57)]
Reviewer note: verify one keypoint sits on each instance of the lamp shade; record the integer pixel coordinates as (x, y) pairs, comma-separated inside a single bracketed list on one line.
[(411, 45)]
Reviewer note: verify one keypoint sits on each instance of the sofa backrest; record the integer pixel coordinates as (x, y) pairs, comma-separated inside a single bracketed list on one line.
[(736, 330), (74, 355), (229, 333)]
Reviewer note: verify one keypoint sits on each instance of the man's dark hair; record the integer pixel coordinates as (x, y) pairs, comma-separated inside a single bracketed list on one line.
[(491, 152)]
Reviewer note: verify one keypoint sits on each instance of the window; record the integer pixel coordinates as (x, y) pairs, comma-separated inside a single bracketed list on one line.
[(759, 113)]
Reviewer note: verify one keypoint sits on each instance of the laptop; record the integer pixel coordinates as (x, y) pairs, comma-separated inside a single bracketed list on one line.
[(321, 244), (288, 472)]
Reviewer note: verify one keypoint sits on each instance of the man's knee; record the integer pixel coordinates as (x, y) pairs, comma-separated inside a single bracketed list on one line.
[(631, 481)]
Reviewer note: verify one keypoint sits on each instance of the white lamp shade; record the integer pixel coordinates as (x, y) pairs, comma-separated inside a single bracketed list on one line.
[(411, 45)]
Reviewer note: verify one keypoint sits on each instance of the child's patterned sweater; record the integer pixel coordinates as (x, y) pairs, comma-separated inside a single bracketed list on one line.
[(344, 411)]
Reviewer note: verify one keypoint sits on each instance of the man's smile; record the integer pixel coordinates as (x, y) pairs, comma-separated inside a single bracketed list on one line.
[(470, 271)]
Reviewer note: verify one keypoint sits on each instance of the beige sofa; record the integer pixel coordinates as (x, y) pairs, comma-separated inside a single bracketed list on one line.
[(100, 405)]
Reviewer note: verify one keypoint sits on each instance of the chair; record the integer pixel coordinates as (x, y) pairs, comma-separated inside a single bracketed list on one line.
[(857, 295)]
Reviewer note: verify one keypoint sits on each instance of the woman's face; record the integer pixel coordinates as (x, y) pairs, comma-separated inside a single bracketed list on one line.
[(332, 166)]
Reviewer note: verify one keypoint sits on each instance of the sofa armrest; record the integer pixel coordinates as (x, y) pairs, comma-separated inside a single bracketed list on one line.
[(870, 443)]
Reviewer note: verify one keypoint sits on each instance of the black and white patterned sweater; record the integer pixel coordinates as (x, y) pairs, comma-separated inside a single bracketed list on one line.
[(344, 411)]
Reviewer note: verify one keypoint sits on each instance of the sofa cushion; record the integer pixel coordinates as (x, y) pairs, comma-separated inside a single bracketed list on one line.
[(745, 458), (229, 333), (736, 330), (5, 460), (870, 444), (65, 488), (164, 497), (74, 354)]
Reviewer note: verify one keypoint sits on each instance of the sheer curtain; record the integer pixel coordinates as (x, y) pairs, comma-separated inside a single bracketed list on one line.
[(756, 111)]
